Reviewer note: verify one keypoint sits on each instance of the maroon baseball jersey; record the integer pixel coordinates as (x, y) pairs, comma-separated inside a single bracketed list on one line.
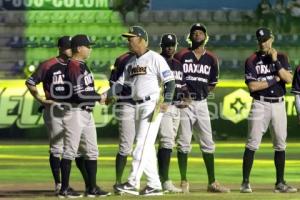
[(79, 76), (199, 73), (259, 67), (51, 74)]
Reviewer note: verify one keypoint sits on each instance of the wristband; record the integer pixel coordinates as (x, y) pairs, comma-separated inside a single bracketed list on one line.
[(271, 82)]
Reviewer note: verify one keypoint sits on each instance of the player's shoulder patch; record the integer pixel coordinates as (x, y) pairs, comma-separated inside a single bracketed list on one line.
[(167, 73), (181, 53)]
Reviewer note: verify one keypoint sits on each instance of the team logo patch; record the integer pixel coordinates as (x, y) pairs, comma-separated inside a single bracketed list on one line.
[(167, 73)]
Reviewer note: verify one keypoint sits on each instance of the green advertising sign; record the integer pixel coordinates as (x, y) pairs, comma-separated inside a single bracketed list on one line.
[(229, 107), (56, 4)]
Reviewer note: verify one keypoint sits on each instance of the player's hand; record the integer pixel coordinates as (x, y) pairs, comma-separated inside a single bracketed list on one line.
[(273, 53), (103, 98), (277, 78), (164, 107)]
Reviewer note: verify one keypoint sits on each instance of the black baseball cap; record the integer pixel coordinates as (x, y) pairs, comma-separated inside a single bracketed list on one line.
[(136, 31), (168, 39), (197, 26), (263, 34), (64, 42), (81, 40)]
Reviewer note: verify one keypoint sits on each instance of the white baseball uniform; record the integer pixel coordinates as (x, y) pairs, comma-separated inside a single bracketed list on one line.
[(145, 75)]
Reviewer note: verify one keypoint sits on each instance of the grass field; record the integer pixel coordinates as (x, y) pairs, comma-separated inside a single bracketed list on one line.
[(25, 172)]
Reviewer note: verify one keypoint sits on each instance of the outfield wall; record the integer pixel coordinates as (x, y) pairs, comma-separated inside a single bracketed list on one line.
[(229, 106)]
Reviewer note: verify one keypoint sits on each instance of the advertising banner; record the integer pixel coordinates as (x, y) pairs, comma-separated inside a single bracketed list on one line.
[(229, 107)]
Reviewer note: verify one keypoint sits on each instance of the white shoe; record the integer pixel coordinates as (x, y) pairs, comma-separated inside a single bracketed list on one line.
[(245, 188), (185, 187), (169, 187), (57, 188)]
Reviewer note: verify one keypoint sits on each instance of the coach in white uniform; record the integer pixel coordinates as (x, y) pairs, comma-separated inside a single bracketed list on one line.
[(146, 71)]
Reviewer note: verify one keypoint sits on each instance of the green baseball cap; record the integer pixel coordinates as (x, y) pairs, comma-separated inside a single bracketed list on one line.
[(136, 31)]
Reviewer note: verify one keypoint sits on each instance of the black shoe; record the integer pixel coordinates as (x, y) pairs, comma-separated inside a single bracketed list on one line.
[(127, 188), (69, 193), (116, 190), (149, 191), (96, 192)]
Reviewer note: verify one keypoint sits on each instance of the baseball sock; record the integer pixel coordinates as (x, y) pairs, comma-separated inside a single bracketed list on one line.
[(247, 164), (81, 166), (65, 166), (55, 167), (209, 161), (182, 164), (279, 160), (120, 166), (91, 168), (163, 158)]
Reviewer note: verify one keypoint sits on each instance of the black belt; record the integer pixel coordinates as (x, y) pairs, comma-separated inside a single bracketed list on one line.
[(126, 101), (83, 107), (269, 99), (147, 98)]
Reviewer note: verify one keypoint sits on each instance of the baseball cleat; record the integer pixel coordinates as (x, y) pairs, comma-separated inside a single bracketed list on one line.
[(96, 192), (168, 186), (282, 187), (149, 191), (116, 190), (185, 187), (245, 188), (215, 187), (69, 193), (127, 188)]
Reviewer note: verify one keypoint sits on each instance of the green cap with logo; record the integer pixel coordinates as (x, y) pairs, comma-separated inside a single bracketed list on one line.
[(136, 31)]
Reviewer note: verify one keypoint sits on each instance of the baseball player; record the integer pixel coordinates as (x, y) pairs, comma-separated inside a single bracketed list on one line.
[(51, 74), (200, 68), (266, 73), (171, 118), (296, 90), (146, 70), (80, 131), (125, 113)]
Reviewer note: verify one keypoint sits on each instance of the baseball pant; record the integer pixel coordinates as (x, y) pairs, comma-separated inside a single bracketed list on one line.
[(80, 134), (168, 127), (144, 154), (125, 114), (196, 115), (53, 118), (262, 115)]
